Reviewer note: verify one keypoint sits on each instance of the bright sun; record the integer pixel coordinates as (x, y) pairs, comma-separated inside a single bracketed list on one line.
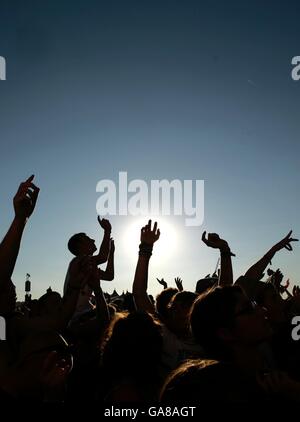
[(165, 246)]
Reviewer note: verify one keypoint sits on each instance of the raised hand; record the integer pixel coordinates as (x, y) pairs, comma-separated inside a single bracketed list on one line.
[(296, 291), (149, 235), (214, 241), (104, 223), (285, 242), (276, 279), (162, 282), (25, 198), (178, 282)]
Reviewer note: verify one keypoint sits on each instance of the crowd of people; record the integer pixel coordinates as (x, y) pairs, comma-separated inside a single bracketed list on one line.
[(225, 342)]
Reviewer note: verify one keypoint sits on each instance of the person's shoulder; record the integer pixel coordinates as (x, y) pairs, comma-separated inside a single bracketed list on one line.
[(74, 260)]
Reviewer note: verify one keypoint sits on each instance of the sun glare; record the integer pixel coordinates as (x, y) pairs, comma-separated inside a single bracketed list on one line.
[(166, 244)]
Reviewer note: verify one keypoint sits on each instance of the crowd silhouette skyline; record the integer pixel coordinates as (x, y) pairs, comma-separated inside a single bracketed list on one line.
[(227, 341)]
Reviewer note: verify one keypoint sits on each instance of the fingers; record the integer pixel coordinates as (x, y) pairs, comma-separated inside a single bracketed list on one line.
[(289, 234), (28, 190), (30, 179), (148, 228), (204, 239), (104, 223)]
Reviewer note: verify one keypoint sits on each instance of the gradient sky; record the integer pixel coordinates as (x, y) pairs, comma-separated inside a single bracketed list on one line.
[(162, 90)]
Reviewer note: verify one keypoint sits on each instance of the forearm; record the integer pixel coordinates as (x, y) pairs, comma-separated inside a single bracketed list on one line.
[(226, 275), (255, 272), (104, 248), (109, 273), (9, 248), (140, 285)]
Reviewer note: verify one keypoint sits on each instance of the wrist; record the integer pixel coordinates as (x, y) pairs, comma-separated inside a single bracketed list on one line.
[(145, 249), (20, 219)]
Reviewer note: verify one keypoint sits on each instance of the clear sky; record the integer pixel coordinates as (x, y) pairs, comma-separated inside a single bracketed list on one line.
[(163, 90)]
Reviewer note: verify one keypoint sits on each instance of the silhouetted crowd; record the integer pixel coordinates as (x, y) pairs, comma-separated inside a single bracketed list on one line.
[(226, 342)]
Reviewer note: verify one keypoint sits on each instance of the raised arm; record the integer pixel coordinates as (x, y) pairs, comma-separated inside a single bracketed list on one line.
[(214, 241), (178, 282), (140, 284), (104, 248), (24, 204), (255, 272), (109, 273)]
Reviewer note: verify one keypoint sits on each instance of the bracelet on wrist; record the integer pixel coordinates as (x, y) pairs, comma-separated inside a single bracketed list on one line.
[(145, 249)]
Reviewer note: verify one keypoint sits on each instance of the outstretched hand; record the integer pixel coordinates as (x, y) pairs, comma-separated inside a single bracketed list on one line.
[(25, 199), (162, 282), (296, 291), (104, 223), (276, 279), (285, 242), (149, 235), (213, 240), (178, 282)]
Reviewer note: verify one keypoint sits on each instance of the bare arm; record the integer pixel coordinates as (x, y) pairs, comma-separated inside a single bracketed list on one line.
[(140, 283), (178, 282), (104, 248), (255, 271), (109, 273), (24, 204), (162, 282), (214, 241)]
